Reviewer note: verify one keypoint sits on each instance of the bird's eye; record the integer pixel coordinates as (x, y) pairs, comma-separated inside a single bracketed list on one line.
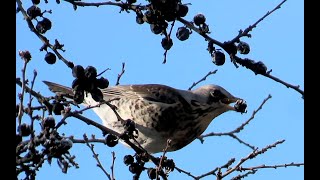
[(215, 96)]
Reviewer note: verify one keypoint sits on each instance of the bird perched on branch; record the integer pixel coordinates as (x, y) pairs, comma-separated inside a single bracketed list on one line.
[(160, 112)]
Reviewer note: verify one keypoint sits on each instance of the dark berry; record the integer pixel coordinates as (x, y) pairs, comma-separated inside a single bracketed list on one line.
[(243, 47), (76, 82), (24, 129), (182, 33), (260, 68), (65, 144), (48, 122), (135, 168), (218, 58), (139, 19), (96, 94), (35, 1), (128, 159), (78, 96), (240, 106), (102, 83), (90, 72), (199, 19), (169, 164), (57, 108), (50, 58), (78, 71), (182, 10), (152, 173), (40, 28), (34, 11), (166, 43), (149, 17), (111, 140), (46, 23), (155, 28)]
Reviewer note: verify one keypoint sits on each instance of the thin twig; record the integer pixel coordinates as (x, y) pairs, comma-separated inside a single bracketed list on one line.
[(121, 73), (241, 176), (248, 29), (251, 156), (96, 157), (23, 88), (112, 165), (203, 79), (296, 88), (213, 172), (168, 37), (238, 129), (29, 105), (97, 4)]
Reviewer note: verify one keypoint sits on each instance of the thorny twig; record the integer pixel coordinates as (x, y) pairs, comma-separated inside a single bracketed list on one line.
[(96, 157), (238, 129), (203, 79), (121, 73)]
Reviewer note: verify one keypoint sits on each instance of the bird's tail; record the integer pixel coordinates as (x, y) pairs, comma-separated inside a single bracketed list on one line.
[(59, 89)]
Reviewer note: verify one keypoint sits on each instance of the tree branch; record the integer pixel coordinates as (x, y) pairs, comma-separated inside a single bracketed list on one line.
[(203, 79)]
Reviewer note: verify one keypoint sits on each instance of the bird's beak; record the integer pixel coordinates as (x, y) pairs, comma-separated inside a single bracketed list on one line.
[(229, 100)]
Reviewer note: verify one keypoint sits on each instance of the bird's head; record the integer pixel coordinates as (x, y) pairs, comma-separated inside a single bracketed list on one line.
[(216, 99)]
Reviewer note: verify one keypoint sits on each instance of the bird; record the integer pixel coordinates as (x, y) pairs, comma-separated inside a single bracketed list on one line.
[(160, 112)]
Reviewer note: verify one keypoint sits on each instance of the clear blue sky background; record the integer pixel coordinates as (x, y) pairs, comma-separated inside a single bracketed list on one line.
[(103, 38)]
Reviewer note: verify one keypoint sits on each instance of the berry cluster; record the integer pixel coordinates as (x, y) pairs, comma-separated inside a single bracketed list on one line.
[(159, 13), (136, 165), (86, 81), (29, 154)]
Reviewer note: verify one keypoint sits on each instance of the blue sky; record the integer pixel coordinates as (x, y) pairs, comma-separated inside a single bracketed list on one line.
[(104, 38)]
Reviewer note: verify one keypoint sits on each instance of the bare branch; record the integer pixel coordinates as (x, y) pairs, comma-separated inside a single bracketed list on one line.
[(251, 156), (203, 79), (296, 88), (23, 88), (112, 165), (213, 172), (96, 157), (121, 73), (169, 37), (122, 5), (248, 29)]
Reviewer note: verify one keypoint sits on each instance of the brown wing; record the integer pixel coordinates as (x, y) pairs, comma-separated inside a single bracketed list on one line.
[(59, 89), (150, 92)]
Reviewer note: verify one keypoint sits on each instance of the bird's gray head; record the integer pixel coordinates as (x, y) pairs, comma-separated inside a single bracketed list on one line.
[(214, 97)]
